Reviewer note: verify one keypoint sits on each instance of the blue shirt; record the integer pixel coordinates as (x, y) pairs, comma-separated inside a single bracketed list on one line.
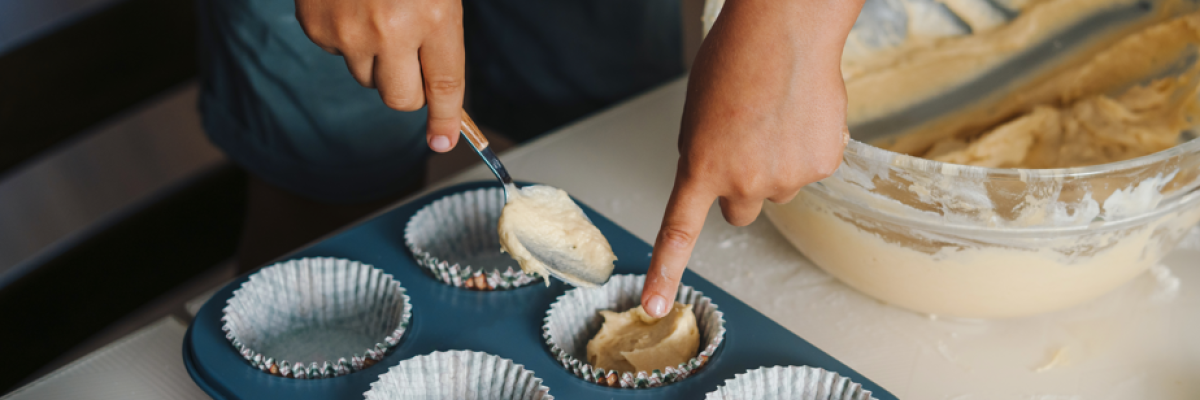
[(291, 114)]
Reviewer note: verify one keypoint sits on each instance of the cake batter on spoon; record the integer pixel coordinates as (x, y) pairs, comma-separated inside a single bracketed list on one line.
[(543, 229)]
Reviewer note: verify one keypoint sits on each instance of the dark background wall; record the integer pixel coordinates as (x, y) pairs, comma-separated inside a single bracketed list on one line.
[(96, 109)]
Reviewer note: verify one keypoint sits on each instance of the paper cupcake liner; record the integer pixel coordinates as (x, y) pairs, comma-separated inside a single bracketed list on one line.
[(315, 318), (574, 319), (459, 375), (789, 383), (455, 238)]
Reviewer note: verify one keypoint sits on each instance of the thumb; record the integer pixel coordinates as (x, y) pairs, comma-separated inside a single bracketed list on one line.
[(686, 211)]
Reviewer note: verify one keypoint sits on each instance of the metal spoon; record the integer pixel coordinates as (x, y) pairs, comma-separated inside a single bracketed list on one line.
[(559, 261), (480, 144)]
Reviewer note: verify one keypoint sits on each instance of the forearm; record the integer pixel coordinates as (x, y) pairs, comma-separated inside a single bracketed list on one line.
[(816, 29), (765, 115)]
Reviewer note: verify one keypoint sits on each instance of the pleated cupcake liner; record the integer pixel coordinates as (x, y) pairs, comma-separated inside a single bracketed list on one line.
[(458, 375), (574, 319), (313, 318), (789, 383), (454, 231)]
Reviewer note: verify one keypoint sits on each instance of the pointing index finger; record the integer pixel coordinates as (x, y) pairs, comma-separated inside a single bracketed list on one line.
[(682, 222), (442, 61)]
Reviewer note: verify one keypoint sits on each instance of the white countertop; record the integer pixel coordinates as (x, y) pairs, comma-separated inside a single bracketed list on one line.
[(145, 365), (1140, 342)]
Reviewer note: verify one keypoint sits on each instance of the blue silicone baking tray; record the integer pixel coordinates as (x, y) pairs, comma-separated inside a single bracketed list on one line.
[(504, 323)]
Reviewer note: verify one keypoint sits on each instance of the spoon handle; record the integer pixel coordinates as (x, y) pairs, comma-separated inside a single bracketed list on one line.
[(480, 144), (472, 132)]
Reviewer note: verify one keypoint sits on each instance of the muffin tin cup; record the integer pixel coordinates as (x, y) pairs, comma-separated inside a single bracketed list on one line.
[(460, 375), (789, 383), (313, 318), (455, 238), (574, 319)]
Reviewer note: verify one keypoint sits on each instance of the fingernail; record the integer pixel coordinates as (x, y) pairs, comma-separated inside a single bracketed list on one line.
[(657, 306), (440, 143)]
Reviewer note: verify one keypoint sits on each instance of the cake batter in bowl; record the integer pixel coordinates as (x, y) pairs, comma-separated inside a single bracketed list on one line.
[(980, 242), (1000, 238)]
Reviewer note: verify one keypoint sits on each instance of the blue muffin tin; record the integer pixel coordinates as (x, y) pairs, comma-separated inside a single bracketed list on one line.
[(505, 323)]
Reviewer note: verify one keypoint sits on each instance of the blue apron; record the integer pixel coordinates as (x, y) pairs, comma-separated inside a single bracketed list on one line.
[(291, 114)]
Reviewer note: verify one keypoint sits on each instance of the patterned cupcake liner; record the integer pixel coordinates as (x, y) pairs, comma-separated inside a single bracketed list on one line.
[(789, 383), (459, 375), (574, 319), (313, 318), (455, 238)]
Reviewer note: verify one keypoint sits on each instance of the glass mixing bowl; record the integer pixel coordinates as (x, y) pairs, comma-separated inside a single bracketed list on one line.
[(981, 242)]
